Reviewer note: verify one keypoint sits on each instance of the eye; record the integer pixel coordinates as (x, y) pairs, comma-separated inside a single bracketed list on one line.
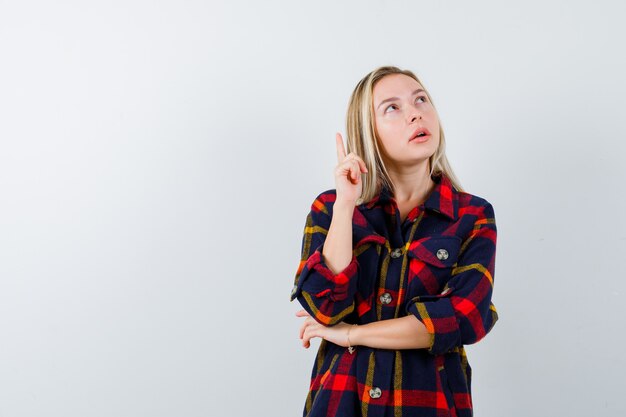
[(390, 106), (422, 98)]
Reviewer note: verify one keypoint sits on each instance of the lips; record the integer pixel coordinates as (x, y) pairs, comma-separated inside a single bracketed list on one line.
[(420, 133)]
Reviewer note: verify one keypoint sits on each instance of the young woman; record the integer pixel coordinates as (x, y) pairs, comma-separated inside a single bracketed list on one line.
[(397, 266)]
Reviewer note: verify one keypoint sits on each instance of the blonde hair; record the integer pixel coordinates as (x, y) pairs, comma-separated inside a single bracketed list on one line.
[(362, 138)]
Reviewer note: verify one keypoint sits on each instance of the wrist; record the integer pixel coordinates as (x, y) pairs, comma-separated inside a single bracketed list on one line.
[(349, 337), (357, 335), (344, 207)]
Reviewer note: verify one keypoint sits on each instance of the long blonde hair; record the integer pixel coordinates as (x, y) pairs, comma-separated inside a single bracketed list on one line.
[(363, 140)]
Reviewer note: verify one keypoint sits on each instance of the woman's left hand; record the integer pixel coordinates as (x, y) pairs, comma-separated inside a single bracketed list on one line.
[(337, 334)]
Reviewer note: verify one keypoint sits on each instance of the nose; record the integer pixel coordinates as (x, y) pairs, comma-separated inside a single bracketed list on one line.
[(414, 114)]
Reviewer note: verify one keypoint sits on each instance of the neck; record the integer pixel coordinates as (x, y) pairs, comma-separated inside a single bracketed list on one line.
[(412, 185)]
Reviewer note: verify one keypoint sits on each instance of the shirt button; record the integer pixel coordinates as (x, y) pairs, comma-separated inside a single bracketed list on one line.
[(396, 253), (375, 392), (385, 298), (442, 254)]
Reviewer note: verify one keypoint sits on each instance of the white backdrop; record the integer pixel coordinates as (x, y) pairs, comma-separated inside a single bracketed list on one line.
[(158, 160)]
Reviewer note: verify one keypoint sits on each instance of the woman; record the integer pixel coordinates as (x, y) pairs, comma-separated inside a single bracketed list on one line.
[(397, 264)]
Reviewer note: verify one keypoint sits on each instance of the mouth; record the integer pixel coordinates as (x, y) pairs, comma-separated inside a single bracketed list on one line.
[(421, 134)]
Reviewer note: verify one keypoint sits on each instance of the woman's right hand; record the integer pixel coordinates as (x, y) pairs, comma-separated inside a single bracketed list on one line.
[(348, 171)]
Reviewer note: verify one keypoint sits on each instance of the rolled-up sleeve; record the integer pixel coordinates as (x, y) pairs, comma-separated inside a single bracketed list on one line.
[(463, 313), (326, 295)]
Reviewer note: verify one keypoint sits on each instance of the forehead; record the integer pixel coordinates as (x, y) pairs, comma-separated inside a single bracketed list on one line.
[(394, 85)]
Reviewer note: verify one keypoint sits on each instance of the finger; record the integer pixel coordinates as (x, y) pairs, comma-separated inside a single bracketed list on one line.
[(350, 168), (359, 160), (308, 335), (303, 327), (302, 313), (307, 323), (362, 165), (341, 153), (355, 171), (305, 341)]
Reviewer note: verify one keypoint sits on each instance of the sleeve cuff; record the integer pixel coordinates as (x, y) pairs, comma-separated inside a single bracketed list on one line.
[(318, 279), (439, 317)]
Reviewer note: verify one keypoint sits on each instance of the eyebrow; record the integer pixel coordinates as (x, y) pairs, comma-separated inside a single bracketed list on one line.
[(419, 90)]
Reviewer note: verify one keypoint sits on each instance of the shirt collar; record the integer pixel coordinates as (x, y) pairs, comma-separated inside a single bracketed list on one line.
[(443, 199)]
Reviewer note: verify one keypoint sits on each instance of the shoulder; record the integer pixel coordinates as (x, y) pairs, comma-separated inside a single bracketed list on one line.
[(321, 209), (326, 196), (324, 201), (475, 205)]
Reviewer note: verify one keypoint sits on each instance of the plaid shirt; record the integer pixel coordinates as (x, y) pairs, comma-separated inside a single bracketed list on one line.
[(437, 264)]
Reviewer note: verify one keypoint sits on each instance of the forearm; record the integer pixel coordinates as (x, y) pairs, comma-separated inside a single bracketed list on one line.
[(337, 250), (401, 333)]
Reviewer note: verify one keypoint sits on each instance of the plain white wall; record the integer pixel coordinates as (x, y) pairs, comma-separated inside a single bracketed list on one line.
[(158, 160)]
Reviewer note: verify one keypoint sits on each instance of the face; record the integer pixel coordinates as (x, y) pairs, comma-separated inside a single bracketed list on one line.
[(402, 110)]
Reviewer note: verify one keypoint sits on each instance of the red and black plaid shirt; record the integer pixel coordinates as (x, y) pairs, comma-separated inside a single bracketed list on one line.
[(437, 264)]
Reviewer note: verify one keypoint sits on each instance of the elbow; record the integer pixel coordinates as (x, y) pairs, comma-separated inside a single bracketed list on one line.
[(328, 297), (473, 333), (450, 329)]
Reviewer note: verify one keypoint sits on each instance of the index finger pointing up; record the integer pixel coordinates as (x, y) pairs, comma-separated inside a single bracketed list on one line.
[(341, 153)]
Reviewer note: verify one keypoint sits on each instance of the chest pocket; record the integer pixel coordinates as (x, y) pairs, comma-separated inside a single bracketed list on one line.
[(431, 261)]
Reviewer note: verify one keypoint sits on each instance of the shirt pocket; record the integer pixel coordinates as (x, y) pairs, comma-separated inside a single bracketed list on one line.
[(431, 261)]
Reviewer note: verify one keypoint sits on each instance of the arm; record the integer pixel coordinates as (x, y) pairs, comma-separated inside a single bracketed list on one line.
[(401, 333), (337, 250), (326, 278), (464, 313)]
